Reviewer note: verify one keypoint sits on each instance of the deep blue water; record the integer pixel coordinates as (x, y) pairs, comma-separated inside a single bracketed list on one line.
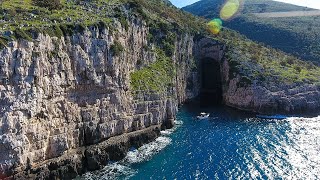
[(231, 144)]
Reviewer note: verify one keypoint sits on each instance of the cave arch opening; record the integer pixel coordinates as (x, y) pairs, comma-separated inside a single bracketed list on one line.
[(211, 83)]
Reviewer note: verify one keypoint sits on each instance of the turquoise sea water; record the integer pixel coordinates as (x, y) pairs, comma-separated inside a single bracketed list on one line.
[(230, 145)]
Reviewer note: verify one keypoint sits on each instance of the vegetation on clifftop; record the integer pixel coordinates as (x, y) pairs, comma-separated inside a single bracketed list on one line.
[(21, 19), (39, 15), (26, 14), (156, 77), (256, 62)]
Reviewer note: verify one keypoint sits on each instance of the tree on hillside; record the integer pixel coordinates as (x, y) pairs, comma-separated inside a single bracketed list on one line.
[(50, 4)]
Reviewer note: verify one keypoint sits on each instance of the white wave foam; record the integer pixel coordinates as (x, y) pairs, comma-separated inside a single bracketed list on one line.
[(122, 169), (111, 172), (145, 152), (167, 132), (178, 122)]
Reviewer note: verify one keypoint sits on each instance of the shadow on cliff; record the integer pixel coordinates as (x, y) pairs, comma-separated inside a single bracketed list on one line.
[(211, 83)]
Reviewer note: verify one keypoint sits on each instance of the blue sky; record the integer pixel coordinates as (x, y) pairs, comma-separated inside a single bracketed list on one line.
[(308, 3), (182, 3)]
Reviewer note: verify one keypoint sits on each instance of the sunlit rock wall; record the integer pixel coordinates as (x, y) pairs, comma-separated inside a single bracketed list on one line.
[(62, 99), (261, 97)]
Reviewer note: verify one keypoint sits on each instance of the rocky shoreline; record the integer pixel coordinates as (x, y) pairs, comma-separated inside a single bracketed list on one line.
[(269, 99), (89, 158)]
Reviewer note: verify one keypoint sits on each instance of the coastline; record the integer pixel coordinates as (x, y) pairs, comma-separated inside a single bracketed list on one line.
[(79, 161)]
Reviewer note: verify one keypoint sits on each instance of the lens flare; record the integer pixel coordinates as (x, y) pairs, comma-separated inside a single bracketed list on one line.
[(230, 9), (215, 26)]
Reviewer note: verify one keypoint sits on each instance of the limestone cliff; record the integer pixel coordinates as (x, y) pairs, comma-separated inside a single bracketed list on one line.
[(268, 97), (63, 99)]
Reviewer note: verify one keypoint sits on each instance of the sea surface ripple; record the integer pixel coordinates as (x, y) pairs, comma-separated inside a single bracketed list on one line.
[(229, 145)]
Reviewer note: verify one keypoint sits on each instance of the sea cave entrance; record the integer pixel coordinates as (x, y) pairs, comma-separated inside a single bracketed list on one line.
[(211, 83)]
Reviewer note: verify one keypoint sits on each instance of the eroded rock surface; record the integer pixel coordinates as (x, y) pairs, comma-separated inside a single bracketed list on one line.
[(263, 98), (62, 99)]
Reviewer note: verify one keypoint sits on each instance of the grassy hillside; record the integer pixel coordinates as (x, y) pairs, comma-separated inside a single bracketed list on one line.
[(299, 36), (24, 16), (210, 8), (256, 63)]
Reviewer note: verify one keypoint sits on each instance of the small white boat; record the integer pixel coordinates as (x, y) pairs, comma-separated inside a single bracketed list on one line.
[(203, 115)]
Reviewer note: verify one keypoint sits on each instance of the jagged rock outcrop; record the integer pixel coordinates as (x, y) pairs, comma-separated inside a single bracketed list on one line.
[(257, 96), (66, 104), (263, 98)]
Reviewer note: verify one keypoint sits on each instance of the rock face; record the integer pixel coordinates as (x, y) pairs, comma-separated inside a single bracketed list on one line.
[(257, 96), (262, 98), (66, 105)]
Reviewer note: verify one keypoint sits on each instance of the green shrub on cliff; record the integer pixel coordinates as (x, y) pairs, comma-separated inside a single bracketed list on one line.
[(121, 17), (116, 48), (3, 42), (21, 34), (67, 29), (54, 31), (50, 4), (156, 77)]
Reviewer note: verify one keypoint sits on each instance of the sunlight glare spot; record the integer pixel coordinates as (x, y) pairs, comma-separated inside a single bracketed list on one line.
[(230, 9), (215, 26)]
